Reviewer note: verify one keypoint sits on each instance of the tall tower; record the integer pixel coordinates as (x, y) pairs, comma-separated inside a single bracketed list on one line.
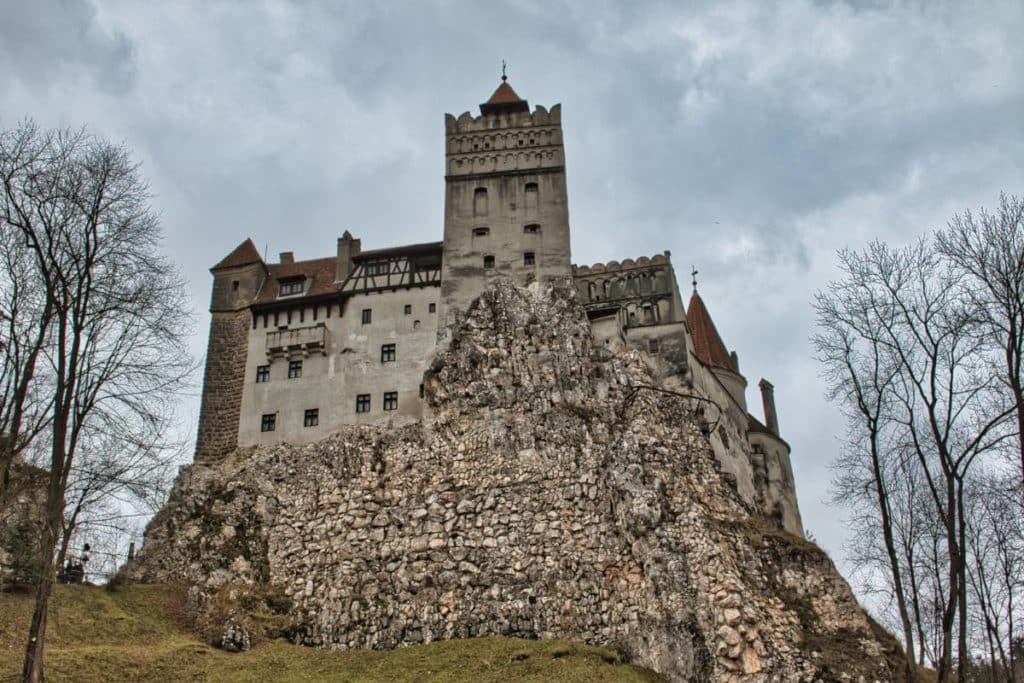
[(237, 279), (506, 211)]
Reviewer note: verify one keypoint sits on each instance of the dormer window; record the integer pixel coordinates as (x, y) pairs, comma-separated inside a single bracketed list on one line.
[(292, 286)]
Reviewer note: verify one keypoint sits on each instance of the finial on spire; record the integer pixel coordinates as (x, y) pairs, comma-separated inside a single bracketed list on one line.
[(693, 274), (503, 76)]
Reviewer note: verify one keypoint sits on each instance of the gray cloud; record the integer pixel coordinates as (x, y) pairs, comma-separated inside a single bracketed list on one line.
[(750, 139)]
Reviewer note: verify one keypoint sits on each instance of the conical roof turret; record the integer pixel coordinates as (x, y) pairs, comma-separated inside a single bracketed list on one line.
[(707, 343)]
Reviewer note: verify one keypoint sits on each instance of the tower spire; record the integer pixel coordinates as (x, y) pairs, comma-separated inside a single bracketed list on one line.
[(503, 76), (693, 274)]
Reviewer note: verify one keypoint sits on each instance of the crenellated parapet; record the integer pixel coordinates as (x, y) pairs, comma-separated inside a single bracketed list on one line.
[(505, 142)]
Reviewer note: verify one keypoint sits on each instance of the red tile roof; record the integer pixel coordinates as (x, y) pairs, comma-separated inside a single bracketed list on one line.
[(319, 274), (504, 95), (504, 101), (707, 344), (243, 255)]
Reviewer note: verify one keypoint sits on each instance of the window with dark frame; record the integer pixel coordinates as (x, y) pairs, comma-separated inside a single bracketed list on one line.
[(376, 268), (407, 309), (390, 400), (262, 373), (488, 261), (421, 391), (234, 285), (311, 418), (432, 308), (268, 422), (291, 287), (387, 353), (367, 315), (363, 403), (531, 229), (528, 258), (481, 232), (294, 369)]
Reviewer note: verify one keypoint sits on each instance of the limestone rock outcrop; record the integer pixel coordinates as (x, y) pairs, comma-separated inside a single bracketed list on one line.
[(555, 490)]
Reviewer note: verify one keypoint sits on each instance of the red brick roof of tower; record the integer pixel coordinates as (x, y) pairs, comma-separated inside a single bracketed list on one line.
[(504, 95), (242, 255), (707, 343)]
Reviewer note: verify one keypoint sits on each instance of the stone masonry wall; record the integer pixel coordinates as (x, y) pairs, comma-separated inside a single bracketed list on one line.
[(556, 490), (222, 384)]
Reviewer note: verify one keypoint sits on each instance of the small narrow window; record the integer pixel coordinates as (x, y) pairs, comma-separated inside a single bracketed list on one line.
[(421, 391), (367, 315), (480, 201), (532, 195), (376, 268), (407, 309), (528, 258), (653, 345), (311, 418), (531, 229), (432, 308), (415, 324), (390, 400), (387, 353), (363, 403), (294, 369), (268, 422), (262, 373), (234, 285), (488, 261), (481, 232), (316, 312)]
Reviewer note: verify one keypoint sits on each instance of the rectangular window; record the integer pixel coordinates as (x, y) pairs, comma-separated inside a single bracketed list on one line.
[(390, 400), (408, 309), (488, 261), (378, 268), (262, 373), (363, 403), (528, 258), (481, 232), (311, 418), (268, 422), (387, 353), (432, 308), (653, 346), (421, 391), (290, 287), (531, 229), (294, 369), (367, 316)]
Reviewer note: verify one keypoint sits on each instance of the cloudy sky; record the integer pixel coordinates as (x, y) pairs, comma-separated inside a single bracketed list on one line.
[(751, 139)]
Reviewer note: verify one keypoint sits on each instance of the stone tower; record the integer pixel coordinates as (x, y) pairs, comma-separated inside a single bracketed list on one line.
[(506, 212), (237, 279)]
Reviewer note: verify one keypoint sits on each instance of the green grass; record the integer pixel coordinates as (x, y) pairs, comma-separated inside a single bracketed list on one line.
[(135, 633)]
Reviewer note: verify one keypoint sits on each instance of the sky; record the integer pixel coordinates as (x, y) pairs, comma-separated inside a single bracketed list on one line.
[(750, 139)]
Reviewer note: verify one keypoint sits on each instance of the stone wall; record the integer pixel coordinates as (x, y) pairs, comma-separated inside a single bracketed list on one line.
[(555, 490), (223, 380)]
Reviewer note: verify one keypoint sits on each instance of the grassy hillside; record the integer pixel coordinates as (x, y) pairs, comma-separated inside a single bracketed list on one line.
[(134, 634)]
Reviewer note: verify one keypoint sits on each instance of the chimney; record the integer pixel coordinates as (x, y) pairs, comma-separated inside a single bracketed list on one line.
[(287, 257), (771, 419), (347, 249)]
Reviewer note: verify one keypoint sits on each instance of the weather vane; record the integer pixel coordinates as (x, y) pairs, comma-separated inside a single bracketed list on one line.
[(503, 76), (693, 274)]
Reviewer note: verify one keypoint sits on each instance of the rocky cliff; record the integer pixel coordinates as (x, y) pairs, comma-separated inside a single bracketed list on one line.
[(555, 490)]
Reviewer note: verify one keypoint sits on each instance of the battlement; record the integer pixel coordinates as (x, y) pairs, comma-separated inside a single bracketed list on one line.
[(625, 264), (467, 123)]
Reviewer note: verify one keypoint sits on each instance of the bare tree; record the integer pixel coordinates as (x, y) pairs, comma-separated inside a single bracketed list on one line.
[(988, 249), (115, 355), (937, 406)]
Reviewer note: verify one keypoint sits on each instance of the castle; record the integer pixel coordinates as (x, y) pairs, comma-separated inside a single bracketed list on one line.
[(298, 349)]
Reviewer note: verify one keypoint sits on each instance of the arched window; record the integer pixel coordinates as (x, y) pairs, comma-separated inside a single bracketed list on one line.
[(480, 201), (531, 196)]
